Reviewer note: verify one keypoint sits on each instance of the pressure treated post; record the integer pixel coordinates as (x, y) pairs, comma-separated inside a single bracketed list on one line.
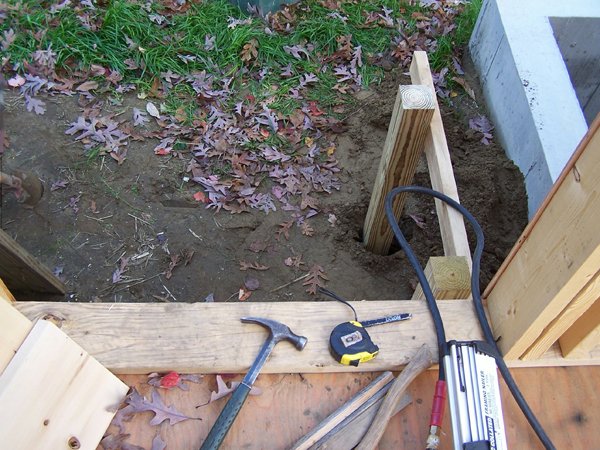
[(403, 146)]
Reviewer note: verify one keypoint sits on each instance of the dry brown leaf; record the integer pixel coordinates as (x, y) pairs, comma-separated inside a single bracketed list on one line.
[(244, 294), (175, 260), (250, 50), (244, 265), (223, 389), (87, 86), (294, 261), (315, 276), (284, 230), (307, 230)]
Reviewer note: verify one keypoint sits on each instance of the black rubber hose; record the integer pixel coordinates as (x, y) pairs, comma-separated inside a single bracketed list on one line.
[(476, 269)]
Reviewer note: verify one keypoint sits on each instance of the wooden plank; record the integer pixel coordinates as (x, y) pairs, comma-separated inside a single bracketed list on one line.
[(401, 152), (449, 278), (22, 272), (54, 396), (290, 405), (583, 338), (567, 318), (555, 257), (14, 328), (343, 412), (5, 294), (452, 226), (148, 337)]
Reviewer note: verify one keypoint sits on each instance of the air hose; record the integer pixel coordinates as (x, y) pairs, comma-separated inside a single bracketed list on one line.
[(479, 309)]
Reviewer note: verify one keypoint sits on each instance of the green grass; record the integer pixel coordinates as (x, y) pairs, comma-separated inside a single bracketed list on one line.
[(157, 49)]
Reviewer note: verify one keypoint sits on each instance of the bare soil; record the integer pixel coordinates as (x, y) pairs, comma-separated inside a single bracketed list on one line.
[(121, 211)]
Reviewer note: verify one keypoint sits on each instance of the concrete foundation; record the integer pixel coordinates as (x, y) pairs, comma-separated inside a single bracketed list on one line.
[(528, 82)]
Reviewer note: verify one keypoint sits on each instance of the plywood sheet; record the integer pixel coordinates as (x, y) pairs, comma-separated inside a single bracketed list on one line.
[(53, 395)]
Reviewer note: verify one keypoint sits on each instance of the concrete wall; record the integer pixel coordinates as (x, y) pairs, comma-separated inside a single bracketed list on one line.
[(578, 40), (532, 102)]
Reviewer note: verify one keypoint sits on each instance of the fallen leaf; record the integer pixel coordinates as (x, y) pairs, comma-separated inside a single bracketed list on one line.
[(251, 283), (87, 86), (172, 379), (315, 276), (210, 298), (284, 230), (294, 261), (175, 260), (93, 207), (16, 81), (223, 389), (137, 403), (158, 443), (200, 197), (249, 51), (255, 266), (306, 229), (152, 110), (332, 220), (465, 85), (418, 219), (244, 294), (117, 442), (258, 246)]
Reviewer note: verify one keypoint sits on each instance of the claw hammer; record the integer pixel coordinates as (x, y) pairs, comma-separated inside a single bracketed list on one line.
[(277, 332)]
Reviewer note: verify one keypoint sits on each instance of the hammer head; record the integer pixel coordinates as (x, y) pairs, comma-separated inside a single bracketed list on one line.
[(279, 331)]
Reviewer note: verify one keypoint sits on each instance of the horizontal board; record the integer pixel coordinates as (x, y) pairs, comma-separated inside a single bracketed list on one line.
[(209, 337)]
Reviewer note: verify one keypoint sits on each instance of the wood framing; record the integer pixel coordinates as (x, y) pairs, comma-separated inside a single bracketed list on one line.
[(452, 226), (583, 338), (555, 258), (449, 278), (14, 328), (403, 147), (209, 337), (22, 272)]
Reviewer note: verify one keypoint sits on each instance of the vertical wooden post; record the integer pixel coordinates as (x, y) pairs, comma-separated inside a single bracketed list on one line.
[(546, 282), (403, 146), (449, 278), (452, 226)]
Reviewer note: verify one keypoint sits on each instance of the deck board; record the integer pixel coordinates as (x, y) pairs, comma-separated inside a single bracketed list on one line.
[(563, 398)]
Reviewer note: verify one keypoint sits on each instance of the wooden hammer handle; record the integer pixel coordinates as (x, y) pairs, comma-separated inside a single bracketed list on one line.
[(417, 365)]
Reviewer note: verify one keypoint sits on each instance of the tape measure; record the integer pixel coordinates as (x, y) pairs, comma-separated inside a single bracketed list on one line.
[(350, 343)]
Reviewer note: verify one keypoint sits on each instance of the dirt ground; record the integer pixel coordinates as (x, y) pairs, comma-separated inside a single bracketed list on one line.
[(144, 210)]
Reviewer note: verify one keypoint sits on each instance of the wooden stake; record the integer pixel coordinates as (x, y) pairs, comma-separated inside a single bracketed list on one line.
[(403, 147), (452, 225), (22, 272), (449, 278)]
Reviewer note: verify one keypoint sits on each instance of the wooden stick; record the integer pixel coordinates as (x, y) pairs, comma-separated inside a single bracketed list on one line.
[(403, 147), (421, 362), (342, 413), (452, 225), (352, 429)]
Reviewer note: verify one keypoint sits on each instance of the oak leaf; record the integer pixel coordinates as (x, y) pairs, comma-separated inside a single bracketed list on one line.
[(249, 51), (244, 265), (316, 275)]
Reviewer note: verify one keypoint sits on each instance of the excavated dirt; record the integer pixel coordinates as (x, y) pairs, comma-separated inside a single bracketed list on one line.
[(144, 210)]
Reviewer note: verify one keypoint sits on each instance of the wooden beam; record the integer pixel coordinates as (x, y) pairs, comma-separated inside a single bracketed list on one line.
[(14, 328), (5, 294), (452, 226), (449, 278), (54, 396), (567, 318), (583, 338), (209, 337), (401, 152), (555, 257), (22, 272)]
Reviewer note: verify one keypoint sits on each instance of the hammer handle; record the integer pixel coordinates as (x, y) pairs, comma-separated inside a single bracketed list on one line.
[(228, 414)]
